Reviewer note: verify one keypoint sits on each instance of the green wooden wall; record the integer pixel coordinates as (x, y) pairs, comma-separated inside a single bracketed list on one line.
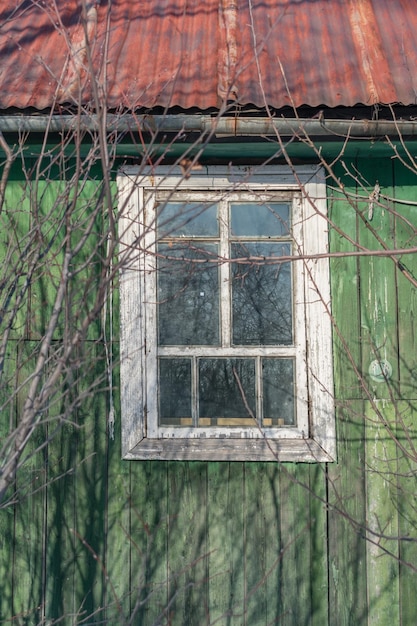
[(93, 539)]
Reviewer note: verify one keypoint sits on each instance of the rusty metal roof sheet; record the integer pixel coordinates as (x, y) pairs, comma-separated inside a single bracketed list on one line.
[(190, 53)]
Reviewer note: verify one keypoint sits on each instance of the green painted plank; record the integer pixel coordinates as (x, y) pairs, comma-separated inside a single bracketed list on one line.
[(378, 280), (295, 522), (88, 280), (344, 272), (346, 479), (187, 543), (14, 260), (121, 541), (47, 213), (262, 544), (232, 150), (237, 151), (319, 544), (90, 482), (406, 237), (6, 561), (226, 515), (347, 520), (406, 418), (60, 209), (7, 421), (62, 544), (149, 542), (27, 568), (382, 514)]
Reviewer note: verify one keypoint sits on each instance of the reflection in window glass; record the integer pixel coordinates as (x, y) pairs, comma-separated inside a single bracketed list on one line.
[(188, 294), (175, 391), (278, 392), (261, 295), (227, 392), (249, 219), (187, 219)]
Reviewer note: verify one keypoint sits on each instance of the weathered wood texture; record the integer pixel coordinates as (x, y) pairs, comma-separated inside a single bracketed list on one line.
[(94, 538)]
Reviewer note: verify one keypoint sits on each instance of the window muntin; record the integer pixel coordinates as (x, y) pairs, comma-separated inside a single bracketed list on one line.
[(144, 362)]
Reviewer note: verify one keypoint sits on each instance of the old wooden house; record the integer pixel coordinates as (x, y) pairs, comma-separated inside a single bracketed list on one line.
[(208, 355)]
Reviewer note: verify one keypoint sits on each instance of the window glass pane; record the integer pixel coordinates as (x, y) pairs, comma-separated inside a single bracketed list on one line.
[(261, 295), (175, 392), (226, 390), (187, 219), (278, 392), (249, 219), (188, 294)]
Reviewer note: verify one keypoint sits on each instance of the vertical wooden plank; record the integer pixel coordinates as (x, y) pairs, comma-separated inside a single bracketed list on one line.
[(262, 544), (347, 519), (319, 544), (346, 478), (119, 589), (405, 237), (344, 273), (7, 422), (406, 417), (62, 543), (149, 542), (59, 508), (46, 214), (14, 229), (60, 547), (380, 345), (226, 513), (27, 567), (90, 473), (25, 520), (67, 592), (273, 578), (378, 282), (88, 261), (382, 518), (6, 561), (54, 216), (304, 582), (295, 587), (187, 543)]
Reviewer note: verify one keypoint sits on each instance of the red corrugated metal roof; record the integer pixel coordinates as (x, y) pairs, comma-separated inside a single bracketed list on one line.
[(191, 53)]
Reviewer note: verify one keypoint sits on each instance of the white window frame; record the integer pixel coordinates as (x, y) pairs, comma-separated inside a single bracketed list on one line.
[(314, 438)]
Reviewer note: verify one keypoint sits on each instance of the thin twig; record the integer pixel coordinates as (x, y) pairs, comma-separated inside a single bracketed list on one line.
[(6, 170)]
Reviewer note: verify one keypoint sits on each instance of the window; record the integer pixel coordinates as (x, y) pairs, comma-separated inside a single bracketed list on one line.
[(225, 326)]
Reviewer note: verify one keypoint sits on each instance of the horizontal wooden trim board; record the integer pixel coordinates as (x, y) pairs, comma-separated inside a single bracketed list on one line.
[(304, 450)]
